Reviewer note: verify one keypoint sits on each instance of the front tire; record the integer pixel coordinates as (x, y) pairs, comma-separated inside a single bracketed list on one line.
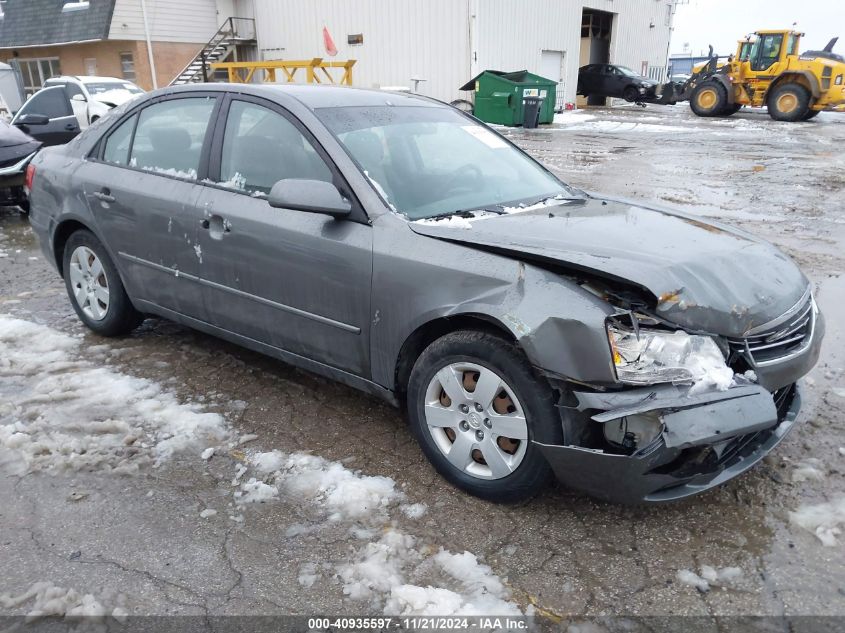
[(95, 288), (475, 405), (631, 94), (789, 102), (709, 99), (812, 114)]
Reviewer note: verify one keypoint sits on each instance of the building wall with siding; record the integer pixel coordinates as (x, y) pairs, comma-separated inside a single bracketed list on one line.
[(513, 33), (447, 42), (183, 21), (402, 38)]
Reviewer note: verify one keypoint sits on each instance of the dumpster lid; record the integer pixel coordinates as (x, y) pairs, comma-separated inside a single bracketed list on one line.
[(515, 76)]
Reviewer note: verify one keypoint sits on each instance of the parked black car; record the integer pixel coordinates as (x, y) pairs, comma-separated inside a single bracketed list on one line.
[(48, 117), (16, 150), (609, 80)]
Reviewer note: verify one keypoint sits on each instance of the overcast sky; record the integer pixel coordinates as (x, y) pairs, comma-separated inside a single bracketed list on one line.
[(723, 22)]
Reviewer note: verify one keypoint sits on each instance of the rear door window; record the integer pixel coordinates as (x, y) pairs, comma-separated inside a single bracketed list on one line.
[(262, 147), (116, 150), (170, 136)]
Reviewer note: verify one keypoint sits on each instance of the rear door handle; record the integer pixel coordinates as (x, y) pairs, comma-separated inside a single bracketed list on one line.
[(71, 127), (104, 195)]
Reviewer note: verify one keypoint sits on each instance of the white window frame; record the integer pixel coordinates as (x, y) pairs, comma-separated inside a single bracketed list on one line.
[(30, 90)]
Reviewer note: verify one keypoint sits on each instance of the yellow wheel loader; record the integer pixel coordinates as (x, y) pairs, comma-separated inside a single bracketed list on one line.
[(767, 70)]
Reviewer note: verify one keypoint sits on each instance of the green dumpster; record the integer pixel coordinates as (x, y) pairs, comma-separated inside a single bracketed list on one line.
[(499, 95)]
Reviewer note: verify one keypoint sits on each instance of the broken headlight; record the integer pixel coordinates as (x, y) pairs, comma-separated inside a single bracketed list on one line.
[(646, 356)]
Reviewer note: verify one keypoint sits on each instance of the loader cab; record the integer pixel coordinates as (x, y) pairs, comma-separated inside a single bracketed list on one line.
[(743, 49), (771, 48)]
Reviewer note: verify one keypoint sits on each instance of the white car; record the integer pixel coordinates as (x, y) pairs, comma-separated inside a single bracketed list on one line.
[(92, 97)]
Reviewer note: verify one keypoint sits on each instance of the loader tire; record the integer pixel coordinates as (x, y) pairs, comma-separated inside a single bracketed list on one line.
[(812, 114), (731, 109), (789, 102), (709, 99)]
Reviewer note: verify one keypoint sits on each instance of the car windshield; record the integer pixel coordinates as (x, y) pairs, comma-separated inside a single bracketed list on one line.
[(433, 161), (627, 71), (96, 88)]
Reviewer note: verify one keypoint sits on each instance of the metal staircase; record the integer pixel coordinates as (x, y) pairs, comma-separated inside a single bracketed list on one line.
[(233, 32)]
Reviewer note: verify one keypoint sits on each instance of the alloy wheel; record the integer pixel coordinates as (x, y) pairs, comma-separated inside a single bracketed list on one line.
[(476, 420), (89, 283)]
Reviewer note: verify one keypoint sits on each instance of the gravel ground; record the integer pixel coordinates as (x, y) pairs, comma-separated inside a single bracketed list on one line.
[(136, 536)]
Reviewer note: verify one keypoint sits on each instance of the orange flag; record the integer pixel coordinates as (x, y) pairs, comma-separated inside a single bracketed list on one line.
[(331, 49)]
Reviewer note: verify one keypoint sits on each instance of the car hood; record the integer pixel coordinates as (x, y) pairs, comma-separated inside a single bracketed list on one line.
[(702, 276), (115, 97)]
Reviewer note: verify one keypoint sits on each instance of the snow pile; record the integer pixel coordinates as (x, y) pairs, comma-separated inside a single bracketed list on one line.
[(573, 116), (825, 520), (810, 469), (708, 576), (58, 411), (382, 571), (49, 600), (343, 493)]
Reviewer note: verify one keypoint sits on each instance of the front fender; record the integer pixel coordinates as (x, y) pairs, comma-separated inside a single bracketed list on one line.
[(418, 280)]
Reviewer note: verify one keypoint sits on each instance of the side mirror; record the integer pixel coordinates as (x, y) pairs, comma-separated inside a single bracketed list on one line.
[(312, 196), (79, 97), (33, 119)]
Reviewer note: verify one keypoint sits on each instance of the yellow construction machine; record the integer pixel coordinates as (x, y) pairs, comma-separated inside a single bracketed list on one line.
[(767, 70)]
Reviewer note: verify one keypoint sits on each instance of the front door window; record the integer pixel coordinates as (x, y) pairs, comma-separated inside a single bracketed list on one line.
[(768, 52)]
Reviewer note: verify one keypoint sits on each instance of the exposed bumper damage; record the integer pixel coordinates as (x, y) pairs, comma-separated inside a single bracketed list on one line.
[(706, 440)]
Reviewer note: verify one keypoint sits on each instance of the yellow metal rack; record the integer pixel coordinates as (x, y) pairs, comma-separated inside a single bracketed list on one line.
[(316, 70)]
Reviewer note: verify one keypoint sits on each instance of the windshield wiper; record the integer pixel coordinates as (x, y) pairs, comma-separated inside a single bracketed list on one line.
[(468, 213)]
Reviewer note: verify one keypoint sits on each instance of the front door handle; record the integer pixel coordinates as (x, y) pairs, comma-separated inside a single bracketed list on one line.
[(217, 225), (104, 194)]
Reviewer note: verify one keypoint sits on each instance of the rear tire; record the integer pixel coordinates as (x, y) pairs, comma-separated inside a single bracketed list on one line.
[(789, 102), (95, 288), (709, 99), (465, 442)]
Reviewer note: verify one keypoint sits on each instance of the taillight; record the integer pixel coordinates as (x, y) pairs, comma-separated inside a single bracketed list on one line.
[(30, 176)]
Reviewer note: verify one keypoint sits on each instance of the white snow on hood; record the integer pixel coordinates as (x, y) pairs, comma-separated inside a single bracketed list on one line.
[(115, 97)]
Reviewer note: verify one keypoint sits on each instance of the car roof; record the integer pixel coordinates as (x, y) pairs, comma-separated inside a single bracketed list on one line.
[(313, 96)]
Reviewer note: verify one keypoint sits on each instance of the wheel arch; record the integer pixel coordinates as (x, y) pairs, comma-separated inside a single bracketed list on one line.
[(431, 330), (802, 77), (61, 235), (729, 87)]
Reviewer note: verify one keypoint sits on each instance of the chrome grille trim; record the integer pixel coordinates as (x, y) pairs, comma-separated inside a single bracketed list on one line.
[(784, 338)]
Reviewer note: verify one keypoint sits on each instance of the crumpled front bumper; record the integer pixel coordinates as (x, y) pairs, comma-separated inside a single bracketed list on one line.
[(708, 439)]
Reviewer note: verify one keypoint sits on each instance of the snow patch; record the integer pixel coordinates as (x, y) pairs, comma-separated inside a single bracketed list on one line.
[(382, 569), (708, 576), (49, 600), (825, 520), (308, 575), (810, 469), (208, 512), (60, 412), (414, 510), (345, 494), (452, 221)]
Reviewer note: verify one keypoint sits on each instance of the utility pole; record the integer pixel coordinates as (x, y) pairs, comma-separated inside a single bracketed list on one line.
[(149, 44)]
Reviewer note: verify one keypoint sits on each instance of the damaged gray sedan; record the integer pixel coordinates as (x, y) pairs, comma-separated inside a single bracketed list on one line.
[(399, 246)]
